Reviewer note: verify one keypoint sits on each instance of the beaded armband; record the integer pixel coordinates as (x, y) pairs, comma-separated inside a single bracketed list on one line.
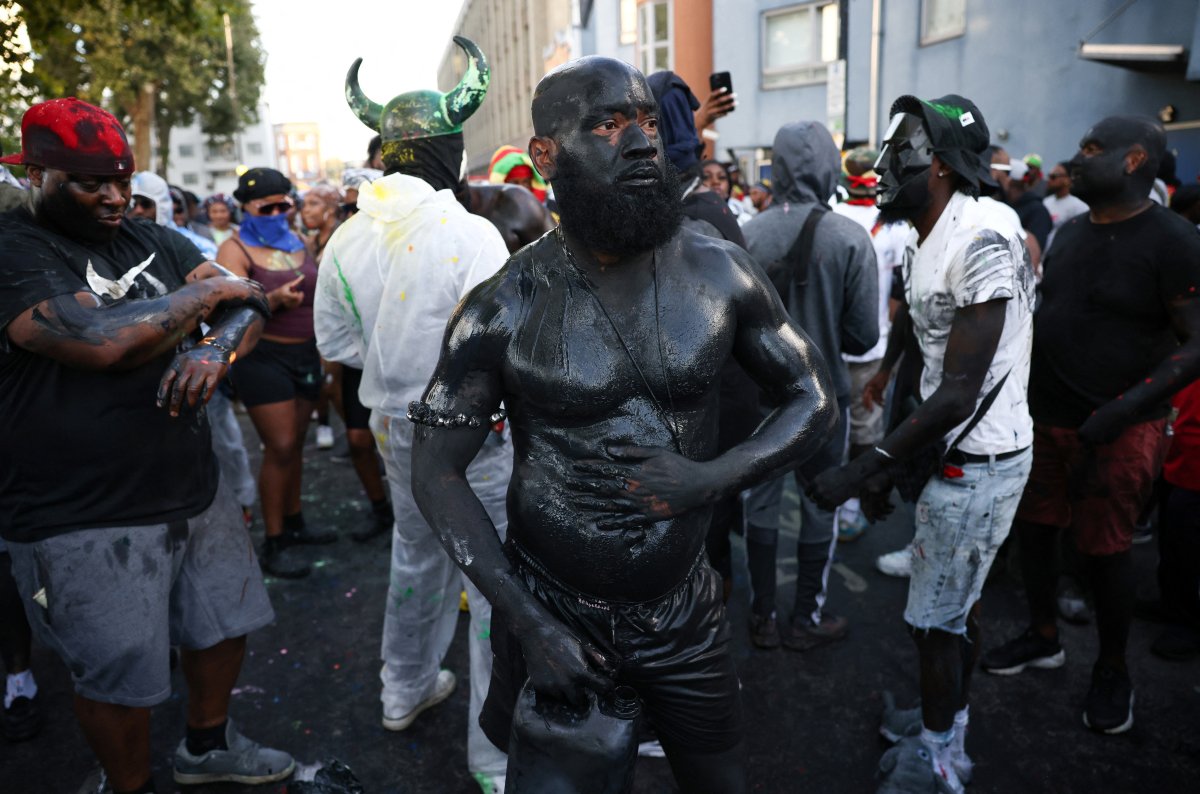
[(420, 413)]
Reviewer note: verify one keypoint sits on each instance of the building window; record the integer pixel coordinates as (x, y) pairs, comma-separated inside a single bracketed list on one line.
[(798, 42), (191, 179), (254, 148), (187, 150), (629, 22), (654, 37), (942, 19), (221, 150)]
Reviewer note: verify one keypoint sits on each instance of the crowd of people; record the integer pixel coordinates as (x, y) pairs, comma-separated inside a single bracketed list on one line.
[(565, 386)]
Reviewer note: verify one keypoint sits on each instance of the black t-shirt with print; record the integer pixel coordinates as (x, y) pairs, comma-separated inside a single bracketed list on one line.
[(80, 448), (1103, 323)]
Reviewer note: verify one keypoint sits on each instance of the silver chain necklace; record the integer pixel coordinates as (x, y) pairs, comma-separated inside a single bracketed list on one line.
[(668, 419)]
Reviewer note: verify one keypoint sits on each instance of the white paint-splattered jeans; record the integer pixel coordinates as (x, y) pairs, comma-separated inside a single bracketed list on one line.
[(423, 592), (961, 523)]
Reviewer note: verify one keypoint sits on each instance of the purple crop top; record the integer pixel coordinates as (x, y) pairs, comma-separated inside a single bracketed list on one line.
[(294, 323)]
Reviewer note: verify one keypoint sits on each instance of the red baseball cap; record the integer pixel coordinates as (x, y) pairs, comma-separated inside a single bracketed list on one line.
[(72, 135)]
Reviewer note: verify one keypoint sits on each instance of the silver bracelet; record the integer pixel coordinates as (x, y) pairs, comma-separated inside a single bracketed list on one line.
[(420, 413), (885, 453)]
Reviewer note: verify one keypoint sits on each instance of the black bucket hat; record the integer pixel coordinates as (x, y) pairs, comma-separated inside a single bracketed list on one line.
[(958, 133)]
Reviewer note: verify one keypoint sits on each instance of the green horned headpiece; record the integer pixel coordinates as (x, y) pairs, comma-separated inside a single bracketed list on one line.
[(424, 114)]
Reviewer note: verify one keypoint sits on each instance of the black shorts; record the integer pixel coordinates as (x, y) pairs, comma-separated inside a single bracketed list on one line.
[(276, 371), (356, 415), (674, 651)]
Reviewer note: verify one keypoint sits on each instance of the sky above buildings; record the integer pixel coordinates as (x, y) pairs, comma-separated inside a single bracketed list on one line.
[(310, 45)]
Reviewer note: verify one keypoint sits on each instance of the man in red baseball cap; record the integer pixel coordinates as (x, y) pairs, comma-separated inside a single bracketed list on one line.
[(104, 496)]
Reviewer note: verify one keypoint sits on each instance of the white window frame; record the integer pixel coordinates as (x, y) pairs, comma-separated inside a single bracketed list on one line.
[(627, 22), (640, 51), (812, 73), (927, 38)]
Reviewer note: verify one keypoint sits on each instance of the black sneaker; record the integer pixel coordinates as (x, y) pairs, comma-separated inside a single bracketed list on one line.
[(1028, 650), (1109, 707), (804, 635), (276, 560), (764, 631), (303, 536), (23, 719), (381, 522), (1176, 644)]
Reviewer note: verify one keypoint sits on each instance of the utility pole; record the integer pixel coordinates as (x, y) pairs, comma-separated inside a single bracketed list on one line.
[(233, 97)]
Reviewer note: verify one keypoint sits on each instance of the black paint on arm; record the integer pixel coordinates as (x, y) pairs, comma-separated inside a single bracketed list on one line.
[(783, 361), (974, 337), (237, 329), (1179, 369), (80, 331), (468, 381)]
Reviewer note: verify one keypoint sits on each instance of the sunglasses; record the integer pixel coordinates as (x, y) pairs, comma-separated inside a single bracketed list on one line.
[(278, 208), (143, 203)]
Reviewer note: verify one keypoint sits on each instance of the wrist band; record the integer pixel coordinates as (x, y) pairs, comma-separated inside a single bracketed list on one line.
[(212, 342)]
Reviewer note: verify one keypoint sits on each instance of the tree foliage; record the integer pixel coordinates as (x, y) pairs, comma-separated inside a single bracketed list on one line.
[(151, 62)]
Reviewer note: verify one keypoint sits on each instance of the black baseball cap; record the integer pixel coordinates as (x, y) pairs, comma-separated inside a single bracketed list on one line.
[(958, 133)]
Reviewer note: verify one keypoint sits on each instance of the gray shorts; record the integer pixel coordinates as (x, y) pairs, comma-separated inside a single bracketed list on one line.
[(110, 602), (961, 523)]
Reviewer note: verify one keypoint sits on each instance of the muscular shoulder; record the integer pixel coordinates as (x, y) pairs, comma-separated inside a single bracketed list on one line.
[(717, 264), (495, 306)]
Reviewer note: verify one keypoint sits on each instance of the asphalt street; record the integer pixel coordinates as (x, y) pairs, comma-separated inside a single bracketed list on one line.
[(310, 686)]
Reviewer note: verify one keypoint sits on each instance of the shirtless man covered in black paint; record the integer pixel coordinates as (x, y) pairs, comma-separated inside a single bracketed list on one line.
[(604, 340)]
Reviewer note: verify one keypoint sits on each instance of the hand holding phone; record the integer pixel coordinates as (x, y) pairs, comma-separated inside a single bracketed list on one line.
[(720, 102)]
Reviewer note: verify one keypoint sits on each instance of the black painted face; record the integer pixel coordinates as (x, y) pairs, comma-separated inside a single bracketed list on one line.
[(613, 137), (903, 166), (1098, 168)]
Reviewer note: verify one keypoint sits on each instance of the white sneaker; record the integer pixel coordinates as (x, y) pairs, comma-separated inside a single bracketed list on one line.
[(441, 690), (896, 563), (324, 437)]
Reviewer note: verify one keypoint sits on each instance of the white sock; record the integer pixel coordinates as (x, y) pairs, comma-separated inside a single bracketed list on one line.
[(961, 718), (941, 747), (19, 685)]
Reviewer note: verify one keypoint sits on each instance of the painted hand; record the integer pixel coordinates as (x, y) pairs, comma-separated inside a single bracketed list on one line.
[(1105, 424), (875, 497), (231, 292), (193, 376), (834, 486), (644, 484), (562, 667)]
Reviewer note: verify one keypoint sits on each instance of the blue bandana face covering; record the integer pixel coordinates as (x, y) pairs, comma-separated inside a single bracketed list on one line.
[(270, 231)]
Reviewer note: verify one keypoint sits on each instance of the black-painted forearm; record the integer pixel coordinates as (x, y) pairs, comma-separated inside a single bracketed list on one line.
[(896, 338), (1178, 370), (122, 335), (237, 329)]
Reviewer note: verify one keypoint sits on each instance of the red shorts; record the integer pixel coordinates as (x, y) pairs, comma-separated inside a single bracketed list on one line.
[(1098, 495)]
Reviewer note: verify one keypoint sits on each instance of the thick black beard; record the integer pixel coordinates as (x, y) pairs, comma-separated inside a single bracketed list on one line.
[(616, 219)]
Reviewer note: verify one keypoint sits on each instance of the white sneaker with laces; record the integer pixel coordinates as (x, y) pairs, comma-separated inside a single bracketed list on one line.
[(896, 563), (442, 688), (324, 437)]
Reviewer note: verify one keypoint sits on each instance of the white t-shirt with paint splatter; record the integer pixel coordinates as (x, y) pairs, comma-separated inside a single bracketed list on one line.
[(974, 254)]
